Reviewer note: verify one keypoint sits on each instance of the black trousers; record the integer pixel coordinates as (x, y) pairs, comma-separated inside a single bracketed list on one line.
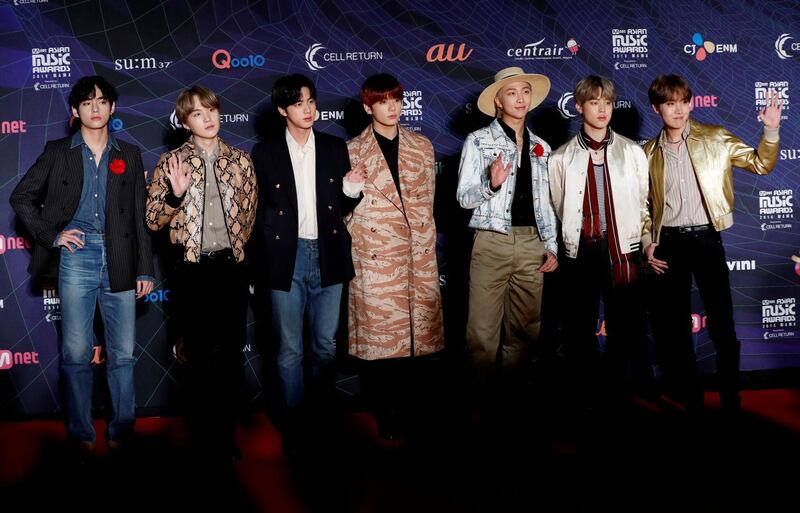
[(699, 254), (212, 315), (586, 280)]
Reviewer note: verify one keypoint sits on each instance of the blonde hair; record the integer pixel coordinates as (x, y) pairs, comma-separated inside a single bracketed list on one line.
[(587, 89)]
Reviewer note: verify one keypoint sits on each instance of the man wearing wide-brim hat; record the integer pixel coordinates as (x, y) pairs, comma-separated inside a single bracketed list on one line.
[(503, 178)]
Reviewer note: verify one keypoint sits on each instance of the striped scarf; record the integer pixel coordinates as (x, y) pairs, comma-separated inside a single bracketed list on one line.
[(623, 269)]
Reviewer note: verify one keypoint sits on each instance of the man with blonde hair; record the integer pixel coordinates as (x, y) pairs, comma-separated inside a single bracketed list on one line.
[(598, 183)]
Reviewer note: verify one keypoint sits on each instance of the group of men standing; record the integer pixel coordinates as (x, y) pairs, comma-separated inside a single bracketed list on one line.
[(329, 213), (616, 202)]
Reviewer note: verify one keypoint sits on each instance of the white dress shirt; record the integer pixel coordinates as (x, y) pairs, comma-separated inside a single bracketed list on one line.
[(304, 167)]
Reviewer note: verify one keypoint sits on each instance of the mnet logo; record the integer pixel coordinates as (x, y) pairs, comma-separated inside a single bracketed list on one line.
[(222, 59), (448, 53), (537, 51), (9, 359), (10, 243), (701, 48), (705, 101), (143, 63), (785, 49), (13, 127), (698, 322), (741, 265), (778, 313)]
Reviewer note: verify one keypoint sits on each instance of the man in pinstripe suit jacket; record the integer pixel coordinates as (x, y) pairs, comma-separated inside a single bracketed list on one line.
[(82, 203)]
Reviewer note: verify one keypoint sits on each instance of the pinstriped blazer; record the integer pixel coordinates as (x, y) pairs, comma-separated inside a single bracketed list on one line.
[(47, 197)]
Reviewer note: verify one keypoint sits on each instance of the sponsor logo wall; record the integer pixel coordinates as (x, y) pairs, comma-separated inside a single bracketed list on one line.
[(733, 54)]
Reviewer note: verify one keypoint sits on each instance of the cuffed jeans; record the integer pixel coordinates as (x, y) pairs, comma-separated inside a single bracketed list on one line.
[(82, 283), (288, 312)]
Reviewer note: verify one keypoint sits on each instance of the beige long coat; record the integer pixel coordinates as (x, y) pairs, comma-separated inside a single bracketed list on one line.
[(395, 306)]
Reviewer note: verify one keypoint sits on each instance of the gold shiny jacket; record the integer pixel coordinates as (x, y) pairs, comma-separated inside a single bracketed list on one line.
[(714, 151), (238, 192)]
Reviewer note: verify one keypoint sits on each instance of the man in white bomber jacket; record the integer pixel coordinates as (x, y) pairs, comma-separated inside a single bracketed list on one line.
[(599, 185)]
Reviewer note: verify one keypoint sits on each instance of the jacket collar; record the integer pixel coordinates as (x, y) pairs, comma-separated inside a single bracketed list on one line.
[(77, 140), (689, 131), (497, 132), (583, 144), (190, 148)]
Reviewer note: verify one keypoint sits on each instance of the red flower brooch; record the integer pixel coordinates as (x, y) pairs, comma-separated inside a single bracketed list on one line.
[(117, 166), (538, 150)]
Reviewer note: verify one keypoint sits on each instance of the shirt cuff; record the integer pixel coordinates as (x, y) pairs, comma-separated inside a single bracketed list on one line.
[(145, 277), (772, 134), (352, 189)]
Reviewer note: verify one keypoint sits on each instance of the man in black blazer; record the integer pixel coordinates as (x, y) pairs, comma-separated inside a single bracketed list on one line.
[(82, 202), (307, 246)]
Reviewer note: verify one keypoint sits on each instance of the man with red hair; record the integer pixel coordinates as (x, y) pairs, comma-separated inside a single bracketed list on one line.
[(395, 308)]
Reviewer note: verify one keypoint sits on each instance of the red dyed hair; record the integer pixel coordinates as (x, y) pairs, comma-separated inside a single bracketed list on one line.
[(380, 87)]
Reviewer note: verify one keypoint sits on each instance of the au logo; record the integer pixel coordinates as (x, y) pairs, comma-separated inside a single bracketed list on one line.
[(448, 53)]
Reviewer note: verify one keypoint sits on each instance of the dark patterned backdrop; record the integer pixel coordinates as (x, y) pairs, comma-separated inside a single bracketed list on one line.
[(444, 54)]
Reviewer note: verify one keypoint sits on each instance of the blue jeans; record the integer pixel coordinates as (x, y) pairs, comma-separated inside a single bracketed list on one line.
[(288, 312), (82, 283)]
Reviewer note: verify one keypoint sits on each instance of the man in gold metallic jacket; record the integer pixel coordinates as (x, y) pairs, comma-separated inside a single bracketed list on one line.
[(691, 201)]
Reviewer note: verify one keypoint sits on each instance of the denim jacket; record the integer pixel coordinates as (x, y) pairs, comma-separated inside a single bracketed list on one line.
[(492, 210)]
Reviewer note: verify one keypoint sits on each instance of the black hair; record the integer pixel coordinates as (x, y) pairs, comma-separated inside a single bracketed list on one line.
[(288, 88), (84, 90)]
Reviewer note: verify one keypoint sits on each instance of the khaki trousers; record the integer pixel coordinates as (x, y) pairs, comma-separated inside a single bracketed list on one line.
[(505, 290)]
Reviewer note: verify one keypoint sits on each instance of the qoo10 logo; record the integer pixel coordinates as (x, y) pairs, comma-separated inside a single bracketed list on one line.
[(157, 296), (222, 59)]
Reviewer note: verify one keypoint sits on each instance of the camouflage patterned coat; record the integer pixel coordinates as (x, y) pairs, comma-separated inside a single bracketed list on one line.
[(395, 307)]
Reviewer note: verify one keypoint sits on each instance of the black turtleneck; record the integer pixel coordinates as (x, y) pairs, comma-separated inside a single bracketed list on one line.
[(390, 149)]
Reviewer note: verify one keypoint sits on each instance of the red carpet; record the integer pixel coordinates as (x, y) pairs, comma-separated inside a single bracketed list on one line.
[(361, 472)]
